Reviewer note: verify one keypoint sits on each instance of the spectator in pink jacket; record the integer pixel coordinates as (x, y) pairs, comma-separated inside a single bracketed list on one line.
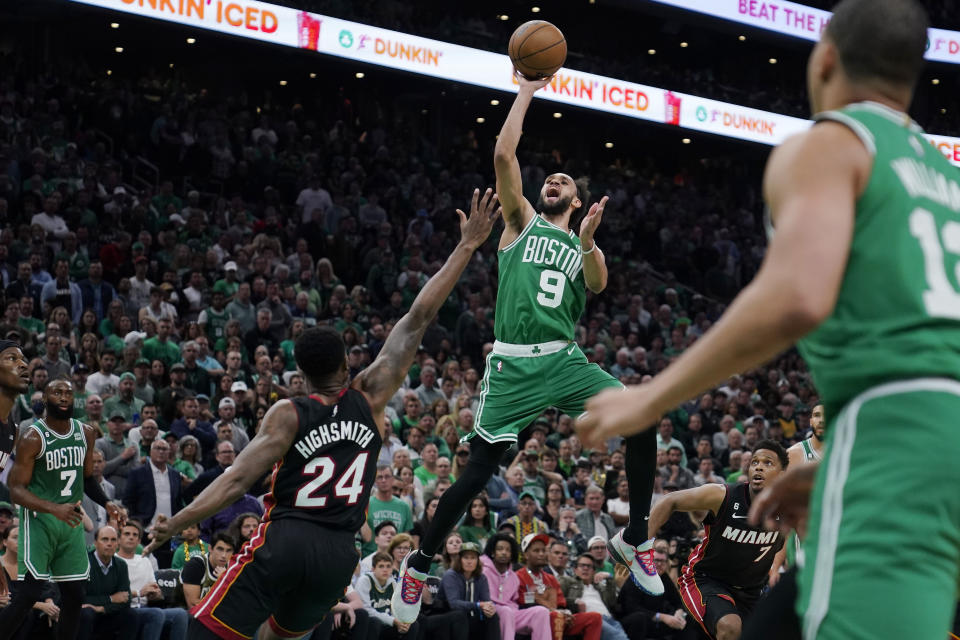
[(498, 559)]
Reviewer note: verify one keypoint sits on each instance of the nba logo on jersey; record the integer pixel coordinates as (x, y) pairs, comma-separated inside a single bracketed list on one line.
[(499, 366)]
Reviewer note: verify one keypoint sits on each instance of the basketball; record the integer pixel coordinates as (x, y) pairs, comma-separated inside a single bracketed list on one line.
[(537, 49)]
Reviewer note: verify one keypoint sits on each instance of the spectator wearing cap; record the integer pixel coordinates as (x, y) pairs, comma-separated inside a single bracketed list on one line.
[(62, 292), (143, 389), (593, 596), (465, 588), (55, 366), (119, 454), (161, 347), (140, 287), (7, 514), (227, 416), (104, 382), (597, 547), (592, 520), (499, 556), (229, 284), (542, 588), (125, 402), (192, 424), (96, 293), (525, 521)]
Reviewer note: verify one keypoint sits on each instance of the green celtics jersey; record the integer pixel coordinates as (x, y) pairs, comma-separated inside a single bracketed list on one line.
[(898, 312), (541, 292), (58, 469), (215, 323)]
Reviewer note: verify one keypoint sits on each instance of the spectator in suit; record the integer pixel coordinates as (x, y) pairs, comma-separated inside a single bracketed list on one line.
[(106, 612), (591, 520), (155, 488)]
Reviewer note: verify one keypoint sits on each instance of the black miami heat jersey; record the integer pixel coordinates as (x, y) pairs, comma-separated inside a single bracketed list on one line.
[(328, 472), (734, 552), (8, 436)]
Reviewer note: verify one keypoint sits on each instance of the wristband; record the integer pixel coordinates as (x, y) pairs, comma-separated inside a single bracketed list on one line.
[(592, 249), (656, 618)]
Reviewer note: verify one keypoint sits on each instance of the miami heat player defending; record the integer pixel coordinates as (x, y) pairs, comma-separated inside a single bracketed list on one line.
[(13, 381), (323, 449), (727, 571)]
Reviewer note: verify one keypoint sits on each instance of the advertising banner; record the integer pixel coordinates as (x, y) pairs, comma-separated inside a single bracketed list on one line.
[(800, 21), (353, 40)]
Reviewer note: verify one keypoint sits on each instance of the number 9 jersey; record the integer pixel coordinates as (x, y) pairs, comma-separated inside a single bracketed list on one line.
[(327, 474), (542, 292)]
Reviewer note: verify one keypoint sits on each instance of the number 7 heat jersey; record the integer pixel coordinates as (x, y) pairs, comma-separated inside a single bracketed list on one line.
[(327, 473), (541, 292)]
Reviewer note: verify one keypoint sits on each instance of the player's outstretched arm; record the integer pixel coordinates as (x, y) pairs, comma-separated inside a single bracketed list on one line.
[(275, 437), (382, 378), (709, 497), (516, 210), (28, 448), (812, 184), (594, 263)]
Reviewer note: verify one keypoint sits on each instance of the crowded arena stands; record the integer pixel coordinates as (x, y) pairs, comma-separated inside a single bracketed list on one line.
[(172, 221)]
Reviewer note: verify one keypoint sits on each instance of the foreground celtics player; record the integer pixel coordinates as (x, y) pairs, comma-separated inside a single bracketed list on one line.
[(544, 271), (50, 475), (863, 268)]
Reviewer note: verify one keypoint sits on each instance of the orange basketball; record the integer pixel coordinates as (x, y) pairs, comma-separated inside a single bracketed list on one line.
[(537, 49)]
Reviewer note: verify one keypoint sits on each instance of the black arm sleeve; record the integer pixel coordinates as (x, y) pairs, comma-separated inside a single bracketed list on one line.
[(94, 491)]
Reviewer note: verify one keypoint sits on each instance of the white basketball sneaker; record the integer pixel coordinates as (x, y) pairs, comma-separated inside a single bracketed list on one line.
[(407, 591), (639, 560)]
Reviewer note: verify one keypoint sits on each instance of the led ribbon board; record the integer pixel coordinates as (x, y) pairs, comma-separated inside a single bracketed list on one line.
[(356, 41), (800, 21)]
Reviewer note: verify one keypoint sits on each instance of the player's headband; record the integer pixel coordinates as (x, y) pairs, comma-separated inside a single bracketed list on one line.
[(7, 344)]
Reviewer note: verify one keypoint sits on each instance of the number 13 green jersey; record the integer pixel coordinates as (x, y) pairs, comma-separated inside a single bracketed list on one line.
[(898, 312), (541, 292)]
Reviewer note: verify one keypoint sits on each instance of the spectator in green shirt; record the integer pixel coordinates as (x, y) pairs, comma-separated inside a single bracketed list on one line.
[(160, 347), (386, 506), (124, 402)]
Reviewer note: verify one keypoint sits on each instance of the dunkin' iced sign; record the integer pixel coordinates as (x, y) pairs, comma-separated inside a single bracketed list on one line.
[(309, 30), (672, 107)]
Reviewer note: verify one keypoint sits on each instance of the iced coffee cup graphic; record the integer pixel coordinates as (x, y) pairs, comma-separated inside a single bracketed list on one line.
[(308, 28), (672, 108)]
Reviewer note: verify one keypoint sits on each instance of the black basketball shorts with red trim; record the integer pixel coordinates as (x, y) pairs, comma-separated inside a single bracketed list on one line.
[(708, 600), (289, 575)]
